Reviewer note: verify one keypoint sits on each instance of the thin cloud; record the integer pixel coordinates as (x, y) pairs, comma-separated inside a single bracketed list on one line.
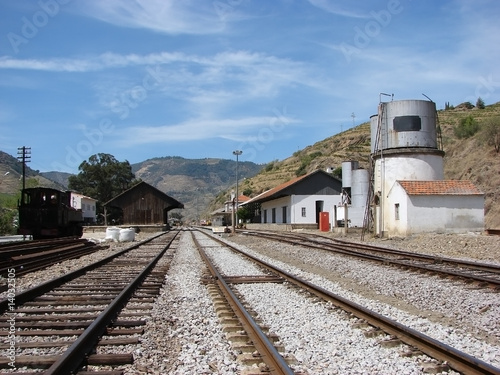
[(333, 6), (166, 16), (197, 129)]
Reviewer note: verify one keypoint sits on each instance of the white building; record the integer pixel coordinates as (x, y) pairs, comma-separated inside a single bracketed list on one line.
[(300, 201), (86, 204), (410, 193)]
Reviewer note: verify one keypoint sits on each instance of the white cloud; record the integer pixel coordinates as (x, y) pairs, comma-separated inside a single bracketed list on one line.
[(166, 16), (199, 129), (339, 8)]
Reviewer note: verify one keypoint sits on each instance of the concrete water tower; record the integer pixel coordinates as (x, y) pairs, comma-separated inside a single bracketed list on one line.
[(404, 147)]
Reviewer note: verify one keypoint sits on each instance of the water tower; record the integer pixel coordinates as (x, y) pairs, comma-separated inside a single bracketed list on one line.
[(404, 146)]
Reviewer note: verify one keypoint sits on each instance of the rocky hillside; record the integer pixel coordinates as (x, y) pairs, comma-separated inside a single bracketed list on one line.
[(467, 158), (194, 182), (11, 176)]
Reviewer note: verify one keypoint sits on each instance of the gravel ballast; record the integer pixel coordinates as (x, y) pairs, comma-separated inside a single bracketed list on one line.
[(183, 334)]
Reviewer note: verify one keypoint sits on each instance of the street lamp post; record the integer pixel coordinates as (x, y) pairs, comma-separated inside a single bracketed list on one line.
[(237, 153)]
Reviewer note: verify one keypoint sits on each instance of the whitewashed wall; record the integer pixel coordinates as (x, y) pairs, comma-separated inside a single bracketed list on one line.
[(86, 204), (433, 213), (294, 205)]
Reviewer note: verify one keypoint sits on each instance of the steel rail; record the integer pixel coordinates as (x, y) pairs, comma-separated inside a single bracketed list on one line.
[(273, 359), (458, 360), (75, 356), (34, 292), (424, 267)]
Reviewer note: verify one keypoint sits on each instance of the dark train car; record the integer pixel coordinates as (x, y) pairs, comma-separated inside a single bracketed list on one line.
[(47, 213)]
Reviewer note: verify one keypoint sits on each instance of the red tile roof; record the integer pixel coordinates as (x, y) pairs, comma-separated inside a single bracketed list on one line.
[(441, 187)]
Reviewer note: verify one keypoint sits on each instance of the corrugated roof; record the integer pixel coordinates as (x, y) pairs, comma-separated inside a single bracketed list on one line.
[(440, 187)]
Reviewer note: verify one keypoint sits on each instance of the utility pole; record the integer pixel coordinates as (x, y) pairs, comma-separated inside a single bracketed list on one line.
[(24, 156), (237, 153), (353, 117)]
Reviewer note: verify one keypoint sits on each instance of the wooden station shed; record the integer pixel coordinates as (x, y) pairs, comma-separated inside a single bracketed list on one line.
[(144, 204)]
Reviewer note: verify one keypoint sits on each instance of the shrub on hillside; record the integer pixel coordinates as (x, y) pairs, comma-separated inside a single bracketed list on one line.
[(490, 132), (467, 127)]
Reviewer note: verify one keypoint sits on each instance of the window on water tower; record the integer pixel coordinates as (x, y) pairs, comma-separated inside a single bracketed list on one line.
[(407, 123), (396, 211)]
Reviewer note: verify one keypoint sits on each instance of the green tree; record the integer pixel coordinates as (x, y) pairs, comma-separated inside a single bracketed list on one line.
[(8, 213), (102, 177), (490, 133), (244, 214), (480, 103), (467, 127)]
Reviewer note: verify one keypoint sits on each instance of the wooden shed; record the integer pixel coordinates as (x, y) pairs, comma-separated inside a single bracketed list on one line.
[(144, 204)]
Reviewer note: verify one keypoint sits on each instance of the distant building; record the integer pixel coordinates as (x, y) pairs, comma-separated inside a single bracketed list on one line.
[(224, 216), (87, 205), (143, 204)]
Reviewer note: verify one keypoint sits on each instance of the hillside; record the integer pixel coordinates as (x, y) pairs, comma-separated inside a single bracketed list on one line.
[(11, 175), (204, 184), (194, 182), (470, 158)]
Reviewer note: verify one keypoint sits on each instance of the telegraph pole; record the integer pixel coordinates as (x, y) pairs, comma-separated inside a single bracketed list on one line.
[(24, 156)]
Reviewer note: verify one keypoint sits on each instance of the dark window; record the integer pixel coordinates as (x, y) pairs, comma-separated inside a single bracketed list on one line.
[(407, 123), (283, 212)]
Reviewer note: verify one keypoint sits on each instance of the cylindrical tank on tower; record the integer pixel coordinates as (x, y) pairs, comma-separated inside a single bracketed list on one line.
[(347, 168), (360, 185), (403, 124)]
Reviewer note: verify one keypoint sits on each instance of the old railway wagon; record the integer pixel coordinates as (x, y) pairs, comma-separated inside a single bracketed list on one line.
[(48, 213)]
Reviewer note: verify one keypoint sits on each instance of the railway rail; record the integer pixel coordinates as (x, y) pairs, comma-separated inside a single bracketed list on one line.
[(62, 324), (275, 362), (456, 359), (484, 274), (28, 256)]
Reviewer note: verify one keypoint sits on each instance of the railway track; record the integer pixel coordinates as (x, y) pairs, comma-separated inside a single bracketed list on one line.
[(447, 355), (28, 256), (484, 274), (79, 321)]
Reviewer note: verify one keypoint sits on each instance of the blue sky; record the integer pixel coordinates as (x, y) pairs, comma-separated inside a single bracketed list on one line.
[(150, 78)]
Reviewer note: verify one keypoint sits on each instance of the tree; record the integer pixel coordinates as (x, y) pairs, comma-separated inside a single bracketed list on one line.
[(244, 214), (102, 177), (467, 127), (480, 103), (490, 132)]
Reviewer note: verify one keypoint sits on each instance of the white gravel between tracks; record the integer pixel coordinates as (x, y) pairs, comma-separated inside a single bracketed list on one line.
[(477, 312), (184, 336)]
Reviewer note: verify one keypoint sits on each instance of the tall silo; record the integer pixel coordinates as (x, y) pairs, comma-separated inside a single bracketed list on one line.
[(404, 147), (359, 189)]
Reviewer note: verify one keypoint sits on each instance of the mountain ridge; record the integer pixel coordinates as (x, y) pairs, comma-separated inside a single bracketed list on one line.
[(210, 180)]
